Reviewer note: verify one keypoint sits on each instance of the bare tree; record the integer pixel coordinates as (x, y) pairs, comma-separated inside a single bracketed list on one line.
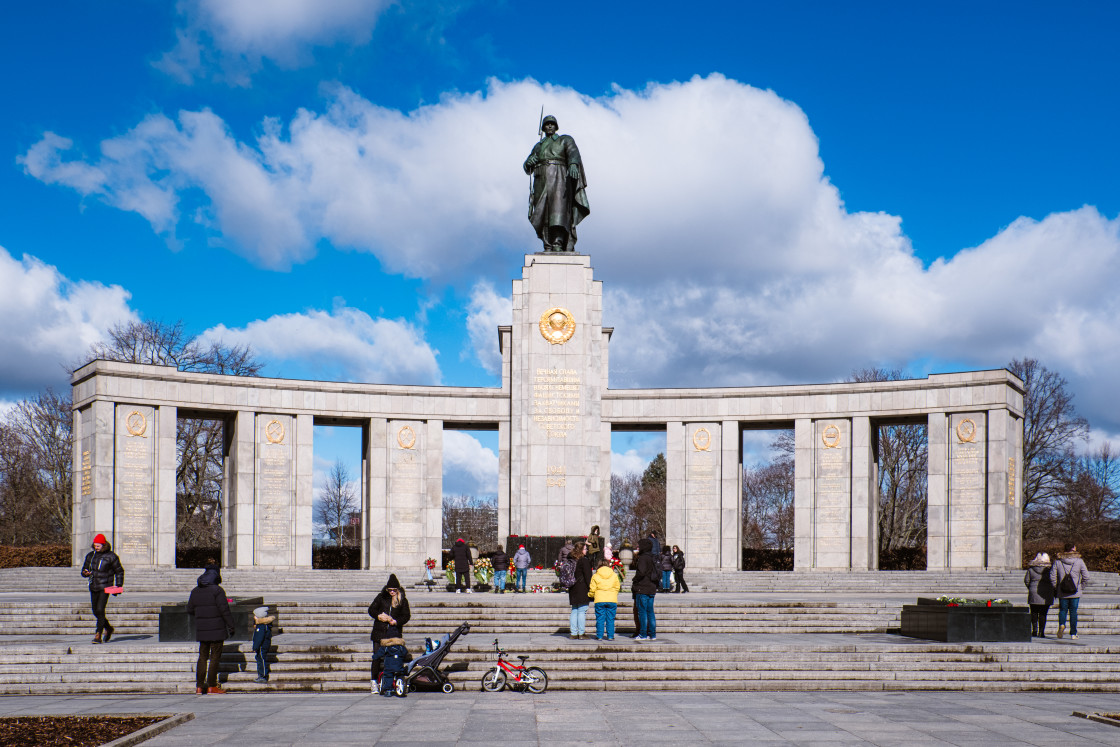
[(638, 503), (36, 473), (199, 441), (337, 503), (768, 499), (474, 519), (903, 456), (1051, 427), (1087, 509)]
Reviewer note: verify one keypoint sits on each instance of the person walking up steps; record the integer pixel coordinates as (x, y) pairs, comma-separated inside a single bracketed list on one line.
[(104, 570), (1068, 575), (262, 641), (1040, 592), (521, 561)]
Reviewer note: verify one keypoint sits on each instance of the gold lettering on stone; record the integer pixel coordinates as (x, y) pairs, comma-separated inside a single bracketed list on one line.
[(556, 400), (1011, 481)]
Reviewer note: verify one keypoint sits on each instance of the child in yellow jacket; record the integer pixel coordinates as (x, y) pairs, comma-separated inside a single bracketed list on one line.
[(604, 590)]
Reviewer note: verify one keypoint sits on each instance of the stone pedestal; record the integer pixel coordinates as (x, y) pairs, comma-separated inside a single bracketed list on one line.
[(557, 374)]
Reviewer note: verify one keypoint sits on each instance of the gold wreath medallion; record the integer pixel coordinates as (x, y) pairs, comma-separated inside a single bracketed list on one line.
[(557, 325), (702, 439), (274, 432), (966, 431), (406, 437), (830, 436), (136, 424)]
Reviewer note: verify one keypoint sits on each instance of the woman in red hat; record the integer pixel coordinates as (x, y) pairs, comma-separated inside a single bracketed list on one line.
[(104, 570)]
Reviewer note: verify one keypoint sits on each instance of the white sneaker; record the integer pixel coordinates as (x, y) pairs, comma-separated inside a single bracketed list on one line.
[(458, 591), (470, 591), (373, 688), (1074, 636)]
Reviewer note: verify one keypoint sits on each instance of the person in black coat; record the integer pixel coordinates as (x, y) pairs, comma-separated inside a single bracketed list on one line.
[(213, 623), (647, 575), (461, 554), (500, 561), (389, 609), (577, 592), (678, 571), (104, 570)]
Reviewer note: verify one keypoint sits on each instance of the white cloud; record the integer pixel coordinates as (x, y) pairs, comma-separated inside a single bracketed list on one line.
[(469, 468), (48, 321), (346, 343), (487, 310), (728, 257), (629, 461), (231, 38)]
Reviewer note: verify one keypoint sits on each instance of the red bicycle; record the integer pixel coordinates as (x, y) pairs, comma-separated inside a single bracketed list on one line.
[(520, 677)]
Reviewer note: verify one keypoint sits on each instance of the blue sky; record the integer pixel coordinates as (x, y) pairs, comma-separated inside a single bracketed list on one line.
[(806, 188)]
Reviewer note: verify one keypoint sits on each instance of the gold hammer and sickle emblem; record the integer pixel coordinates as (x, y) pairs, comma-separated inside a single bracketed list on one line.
[(557, 325), (136, 424), (966, 430)]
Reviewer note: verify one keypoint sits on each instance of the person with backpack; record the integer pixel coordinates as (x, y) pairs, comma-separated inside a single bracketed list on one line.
[(1068, 575), (390, 613), (576, 573)]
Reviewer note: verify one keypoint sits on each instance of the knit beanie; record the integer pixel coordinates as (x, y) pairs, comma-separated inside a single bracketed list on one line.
[(393, 583), (100, 540), (260, 612)]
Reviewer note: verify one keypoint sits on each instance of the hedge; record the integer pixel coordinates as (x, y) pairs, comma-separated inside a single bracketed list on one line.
[(1103, 558), (333, 557), (52, 556)]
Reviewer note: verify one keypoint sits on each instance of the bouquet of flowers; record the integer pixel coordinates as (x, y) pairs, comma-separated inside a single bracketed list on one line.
[(538, 589), (483, 570), (619, 568), (965, 601), (449, 571), (429, 565)]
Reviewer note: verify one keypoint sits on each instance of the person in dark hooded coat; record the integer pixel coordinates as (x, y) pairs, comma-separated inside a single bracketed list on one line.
[(461, 554), (213, 623), (389, 610)]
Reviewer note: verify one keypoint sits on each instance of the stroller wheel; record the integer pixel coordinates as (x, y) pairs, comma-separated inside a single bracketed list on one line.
[(400, 687), (448, 687)]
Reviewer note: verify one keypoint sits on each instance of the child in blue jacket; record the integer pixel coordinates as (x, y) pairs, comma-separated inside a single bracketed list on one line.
[(262, 641)]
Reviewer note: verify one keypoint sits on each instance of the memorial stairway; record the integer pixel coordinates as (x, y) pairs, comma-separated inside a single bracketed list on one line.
[(253, 582), (709, 641)]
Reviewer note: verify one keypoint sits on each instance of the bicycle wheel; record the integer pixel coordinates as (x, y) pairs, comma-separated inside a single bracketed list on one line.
[(494, 680), (535, 679)]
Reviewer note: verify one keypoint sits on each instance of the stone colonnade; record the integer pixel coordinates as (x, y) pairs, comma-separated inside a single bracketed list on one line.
[(554, 415)]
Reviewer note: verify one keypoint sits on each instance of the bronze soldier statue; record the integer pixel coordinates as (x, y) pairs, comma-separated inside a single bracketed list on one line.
[(559, 199)]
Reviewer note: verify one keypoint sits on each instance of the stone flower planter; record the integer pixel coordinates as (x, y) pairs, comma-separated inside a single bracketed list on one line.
[(941, 621)]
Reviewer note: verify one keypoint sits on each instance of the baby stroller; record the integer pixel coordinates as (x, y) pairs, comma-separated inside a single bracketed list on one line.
[(424, 671)]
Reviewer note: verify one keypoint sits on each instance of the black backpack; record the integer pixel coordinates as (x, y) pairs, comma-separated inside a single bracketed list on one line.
[(567, 573), (1067, 585)]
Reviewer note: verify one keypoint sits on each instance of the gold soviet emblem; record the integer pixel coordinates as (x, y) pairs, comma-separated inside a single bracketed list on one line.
[(136, 424), (406, 437), (966, 430), (831, 437), (702, 439), (557, 325), (274, 432)]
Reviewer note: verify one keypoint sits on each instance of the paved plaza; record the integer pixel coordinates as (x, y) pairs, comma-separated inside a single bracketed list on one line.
[(471, 717)]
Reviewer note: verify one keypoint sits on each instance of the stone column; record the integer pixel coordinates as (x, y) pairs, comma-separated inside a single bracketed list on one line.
[(94, 447), (937, 491), (605, 484), (305, 490), (703, 479), (275, 505), (676, 464), (731, 496), (134, 478), (556, 382), (415, 491), (375, 509), (803, 537), (503, 484), (167, 459), (832, 494), (240, 493), (865, 495), (968, 435), (1005, 531)]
